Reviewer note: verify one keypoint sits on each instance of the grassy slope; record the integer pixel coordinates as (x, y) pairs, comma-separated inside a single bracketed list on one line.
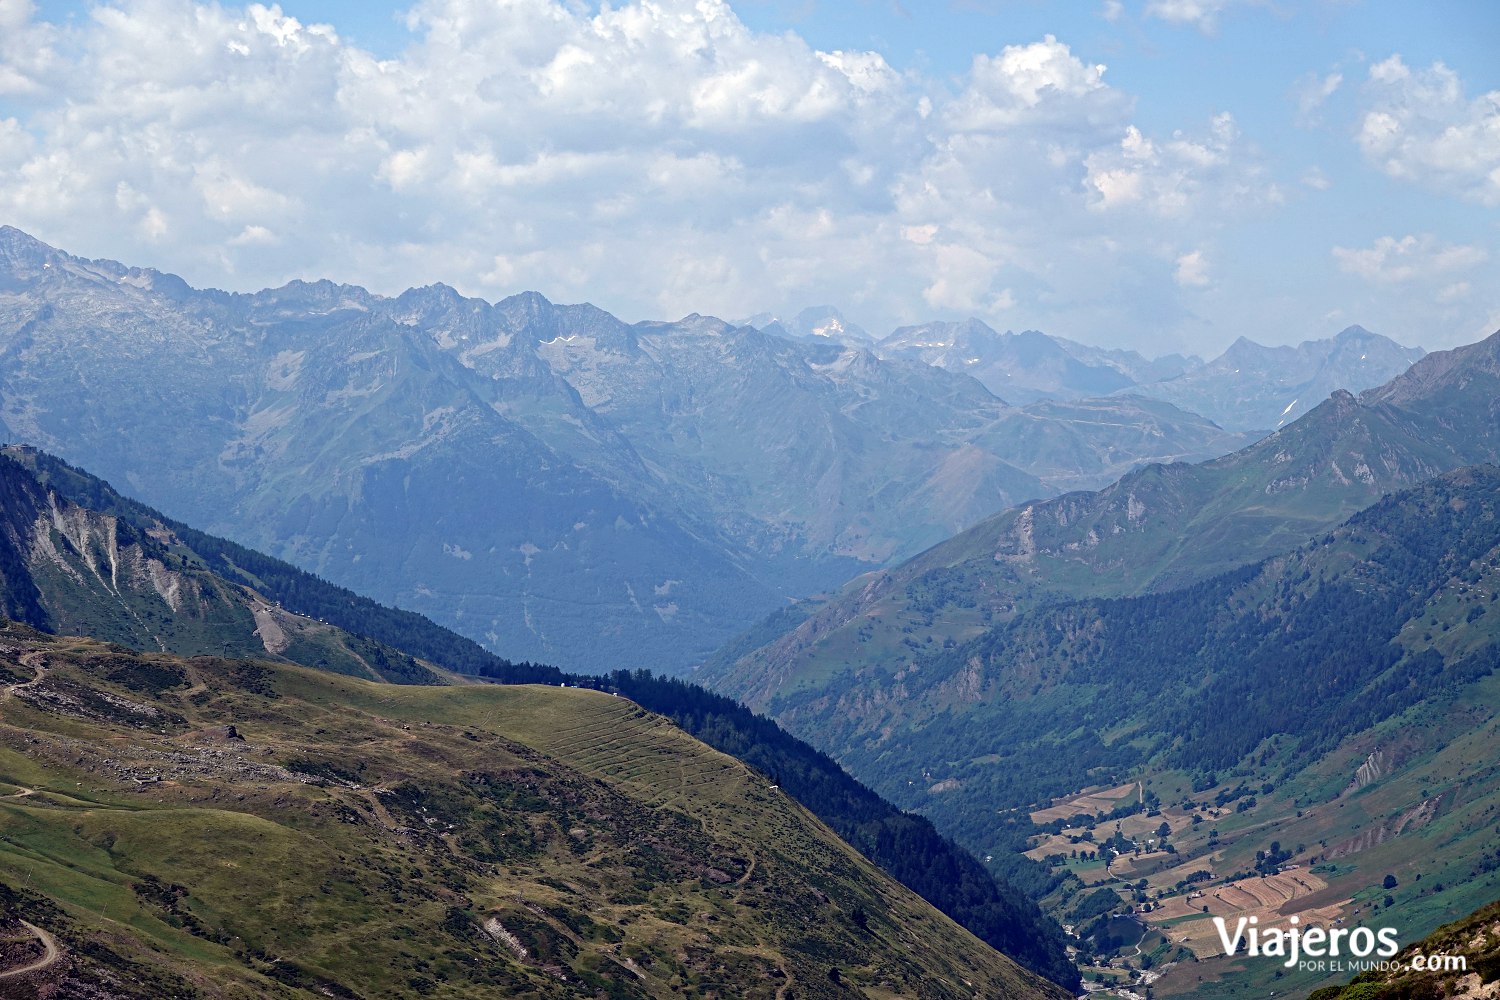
[(360, 836)]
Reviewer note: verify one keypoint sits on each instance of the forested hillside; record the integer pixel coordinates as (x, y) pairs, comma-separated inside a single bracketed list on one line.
[(1397, 605), (1311, 736)]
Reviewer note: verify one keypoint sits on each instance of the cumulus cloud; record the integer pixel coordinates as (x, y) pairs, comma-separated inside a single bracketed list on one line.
[(1192, 270), (1203, 14), (1032, 85), (1419, 125), (1171, 177), (28, 59), (1391, 260), (656, 157)]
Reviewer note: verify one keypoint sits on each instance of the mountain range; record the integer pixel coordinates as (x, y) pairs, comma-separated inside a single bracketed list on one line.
[(547, 479), (1156, 529), (1248, 388), (1163, 672), (1023, 367), (813, 323)]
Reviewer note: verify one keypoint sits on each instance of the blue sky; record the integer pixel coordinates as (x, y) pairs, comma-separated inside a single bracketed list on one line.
[(1161, 174)]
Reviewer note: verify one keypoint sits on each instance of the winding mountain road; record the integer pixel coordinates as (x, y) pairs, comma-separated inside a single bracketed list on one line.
[(50, 956), (34, 661)]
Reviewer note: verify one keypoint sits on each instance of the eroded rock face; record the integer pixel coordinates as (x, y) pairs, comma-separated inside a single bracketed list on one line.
[(130, 580), (1374, 768)]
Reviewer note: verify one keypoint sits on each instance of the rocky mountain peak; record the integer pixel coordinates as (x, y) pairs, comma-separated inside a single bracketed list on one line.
[(20, 252), (828, 323), (15, 244), (1445, 372), (436, 294), (1243, 348)]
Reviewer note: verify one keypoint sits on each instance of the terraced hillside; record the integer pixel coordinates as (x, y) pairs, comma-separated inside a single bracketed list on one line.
[(210, 827)]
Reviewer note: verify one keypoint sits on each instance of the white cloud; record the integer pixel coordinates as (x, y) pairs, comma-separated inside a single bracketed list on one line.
[(1174, 177), (1391, 70), (1456, 292), (920, 235), (656, 157), (964, 278), (1192, 270), (1393, 261), (253, 236), (153, 225), (1203, 14), (16, 144), (1419, 126), (1315, 178), (25, 47), (1313, 91), (1026, 85)]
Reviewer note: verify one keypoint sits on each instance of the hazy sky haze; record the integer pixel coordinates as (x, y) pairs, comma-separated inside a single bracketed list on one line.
[(1161, 174)]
